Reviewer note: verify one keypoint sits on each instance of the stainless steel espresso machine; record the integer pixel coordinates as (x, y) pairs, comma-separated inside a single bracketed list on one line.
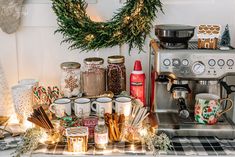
[(177, 75)]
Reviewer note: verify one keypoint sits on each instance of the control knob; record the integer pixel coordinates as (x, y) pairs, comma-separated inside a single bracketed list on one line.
[(221, 62), (185, 62), (211, 62), (230, 62), (167, 62)]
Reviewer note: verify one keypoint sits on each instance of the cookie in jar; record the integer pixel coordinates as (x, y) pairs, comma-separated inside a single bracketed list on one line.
[(70, 79)]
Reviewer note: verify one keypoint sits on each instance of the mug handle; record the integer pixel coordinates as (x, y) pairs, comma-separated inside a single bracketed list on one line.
[(113, 104), (228, 108), (51, 108), (92, 106), (73, 106)]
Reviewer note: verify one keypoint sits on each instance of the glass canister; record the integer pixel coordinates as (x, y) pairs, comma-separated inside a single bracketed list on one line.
[(70, 79), (116, 74), (77, 139), (93, 76)]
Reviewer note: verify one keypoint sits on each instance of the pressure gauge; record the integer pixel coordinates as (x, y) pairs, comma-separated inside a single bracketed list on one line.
[(198, 68)]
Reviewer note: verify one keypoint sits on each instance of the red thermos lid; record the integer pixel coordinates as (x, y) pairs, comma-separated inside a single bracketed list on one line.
[(138, 66)]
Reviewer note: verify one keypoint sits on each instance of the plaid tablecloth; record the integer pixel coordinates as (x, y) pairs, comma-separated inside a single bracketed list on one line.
[(181, 146), (201, 146)]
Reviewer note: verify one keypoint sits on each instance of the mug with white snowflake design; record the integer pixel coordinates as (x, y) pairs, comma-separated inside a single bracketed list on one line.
[(208, 108)]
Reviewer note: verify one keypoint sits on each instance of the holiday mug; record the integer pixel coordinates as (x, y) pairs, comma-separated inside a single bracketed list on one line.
[(103, 105), (123, 105), (208, 108), (82, 107), (61, 107)]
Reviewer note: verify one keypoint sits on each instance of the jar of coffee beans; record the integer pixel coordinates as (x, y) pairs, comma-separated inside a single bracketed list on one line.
[(116, 74), (70, 79), (93, 76)]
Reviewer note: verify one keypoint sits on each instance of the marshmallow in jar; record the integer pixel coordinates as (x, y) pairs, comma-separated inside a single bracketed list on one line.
[(70, 79)]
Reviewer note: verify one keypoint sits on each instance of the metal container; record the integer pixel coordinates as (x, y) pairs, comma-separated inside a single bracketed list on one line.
[(174, 35)]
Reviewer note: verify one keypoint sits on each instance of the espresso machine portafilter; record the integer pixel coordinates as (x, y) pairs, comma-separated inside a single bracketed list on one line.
[(180, 91), (177, 75)]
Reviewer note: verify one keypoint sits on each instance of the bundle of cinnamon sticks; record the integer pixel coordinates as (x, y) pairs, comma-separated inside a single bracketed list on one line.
[(115, 125), (40, 118)]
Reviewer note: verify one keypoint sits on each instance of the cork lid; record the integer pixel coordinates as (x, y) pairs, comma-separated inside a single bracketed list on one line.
[(116, 59), (70, 65), (94, 60)]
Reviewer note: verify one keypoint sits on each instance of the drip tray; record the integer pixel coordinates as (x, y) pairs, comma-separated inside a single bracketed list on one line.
[(173, 125)]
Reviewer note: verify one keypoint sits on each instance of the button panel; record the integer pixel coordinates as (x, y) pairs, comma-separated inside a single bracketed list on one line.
[(186, 64)]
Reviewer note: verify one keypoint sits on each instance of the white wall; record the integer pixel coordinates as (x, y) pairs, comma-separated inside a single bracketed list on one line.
[(35, 52)]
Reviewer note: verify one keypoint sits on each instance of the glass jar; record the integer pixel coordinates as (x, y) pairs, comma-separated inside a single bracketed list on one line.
[(116, 74), (93, 77), (101, 135), (77, 139), (70, 79)]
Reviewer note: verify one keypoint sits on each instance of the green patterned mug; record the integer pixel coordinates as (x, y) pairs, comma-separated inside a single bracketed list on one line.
[(208, 108)]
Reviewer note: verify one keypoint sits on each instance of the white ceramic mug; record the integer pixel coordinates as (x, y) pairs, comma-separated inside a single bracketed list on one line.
[(103, 105), (60, 107), (123, 105), (82, 107), (22, 99)]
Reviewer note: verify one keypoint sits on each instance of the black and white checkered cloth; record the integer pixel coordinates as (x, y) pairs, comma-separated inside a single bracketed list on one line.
[(181, 146), (201, 146)]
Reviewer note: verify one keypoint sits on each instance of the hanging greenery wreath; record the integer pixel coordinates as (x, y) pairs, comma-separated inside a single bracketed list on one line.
[(131, 24)]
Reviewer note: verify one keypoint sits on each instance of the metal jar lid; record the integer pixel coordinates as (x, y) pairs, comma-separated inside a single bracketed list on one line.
[(94, 60), (116, 59), (70, 65)]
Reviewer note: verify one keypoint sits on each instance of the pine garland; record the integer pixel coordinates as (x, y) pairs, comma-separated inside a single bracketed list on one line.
[(131, 24)]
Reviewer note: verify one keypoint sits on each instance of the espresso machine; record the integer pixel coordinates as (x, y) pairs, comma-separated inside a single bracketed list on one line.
[(177, 75)]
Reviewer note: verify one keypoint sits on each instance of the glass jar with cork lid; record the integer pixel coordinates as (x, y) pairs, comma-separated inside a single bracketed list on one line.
[(70, 79), (116, 74), (93, 76)]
